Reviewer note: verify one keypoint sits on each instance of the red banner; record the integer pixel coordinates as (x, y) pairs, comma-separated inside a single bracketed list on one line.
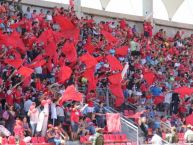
[(113, 122)]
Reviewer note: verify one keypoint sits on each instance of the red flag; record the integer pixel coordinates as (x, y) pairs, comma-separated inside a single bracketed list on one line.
[(113, 122), (149, 77), (89, 46), (122, 51), (50, 49), (70, 51), (37, 64), (74, 34), (45, 36), (16, 63), (115, 79), (109, 37), (184, 90), (189, 119), (70, 94), (115, 88), (117, 91), (114, 63), (64, 74), (89, 60), (65, 24), (25, 71), (89, 74)]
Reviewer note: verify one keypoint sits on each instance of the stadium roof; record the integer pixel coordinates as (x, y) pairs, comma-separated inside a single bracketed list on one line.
[(174, 10)]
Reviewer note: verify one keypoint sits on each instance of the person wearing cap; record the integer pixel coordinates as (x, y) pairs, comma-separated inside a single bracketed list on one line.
[(188, 136)]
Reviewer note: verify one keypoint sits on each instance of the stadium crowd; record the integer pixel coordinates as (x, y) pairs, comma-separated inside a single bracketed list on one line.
[(47, 56)]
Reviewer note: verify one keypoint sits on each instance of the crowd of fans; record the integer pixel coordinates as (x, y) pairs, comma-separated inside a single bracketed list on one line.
[(92, 55)]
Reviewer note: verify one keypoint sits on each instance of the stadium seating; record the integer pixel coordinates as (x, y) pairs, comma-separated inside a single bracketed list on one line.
[(109, 139)]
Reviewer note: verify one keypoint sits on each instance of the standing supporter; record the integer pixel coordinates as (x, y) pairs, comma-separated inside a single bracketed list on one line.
[(74, 118), (100, 115), (33, 114)]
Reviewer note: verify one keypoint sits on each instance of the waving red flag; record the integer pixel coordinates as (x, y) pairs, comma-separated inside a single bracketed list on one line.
[(37, 64), (115, 79), (184, 90), (113, 122), (50, 49), (25, 71), (70, 94), (65, 24), (115, 88), (16, 63), (89, 74), (64, 74), (149, 77), (70, 51), (122, 51), (114, 63), (189, 119), (109, 37), (89, 60)]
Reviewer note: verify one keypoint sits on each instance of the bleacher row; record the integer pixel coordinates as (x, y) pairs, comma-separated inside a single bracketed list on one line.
[(109, 139), (34, 140)]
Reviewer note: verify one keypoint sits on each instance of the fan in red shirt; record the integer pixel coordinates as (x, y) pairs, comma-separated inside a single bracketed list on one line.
[(74, 118), (89, 99)]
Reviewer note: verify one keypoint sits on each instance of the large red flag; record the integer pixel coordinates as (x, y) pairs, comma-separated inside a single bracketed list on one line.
[(65, 24), (113, 122), (189, 119), (45, 36), (64, 74), (114, 63), (16, 63), (184, 90), (50, 49), (115, 79), (115, 88), (117, 91), (25, 71), (109, 37), (122, 51), (89, 60), (70, 51), (89, 74), (70, 94)]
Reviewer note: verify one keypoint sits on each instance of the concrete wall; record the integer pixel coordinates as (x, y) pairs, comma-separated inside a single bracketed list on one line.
[(169, 27)]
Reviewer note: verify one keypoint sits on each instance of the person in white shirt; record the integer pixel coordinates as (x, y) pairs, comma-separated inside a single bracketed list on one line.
[(188, 136), (33, 113), (60, 113), (49, 16), (156, 139), (53, 111)]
